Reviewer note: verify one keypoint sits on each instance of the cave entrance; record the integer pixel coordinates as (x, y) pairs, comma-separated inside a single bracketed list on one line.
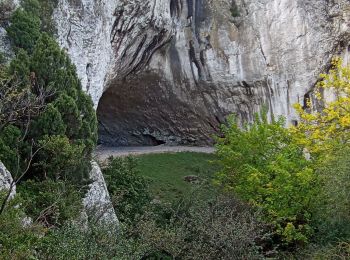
[(132, 115)]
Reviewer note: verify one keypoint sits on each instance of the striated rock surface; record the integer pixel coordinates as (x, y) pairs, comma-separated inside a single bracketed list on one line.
[(170, 71), (84, 28), (97, 202)]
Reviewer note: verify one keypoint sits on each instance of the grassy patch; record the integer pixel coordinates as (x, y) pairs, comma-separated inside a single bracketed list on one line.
[(167, 173)]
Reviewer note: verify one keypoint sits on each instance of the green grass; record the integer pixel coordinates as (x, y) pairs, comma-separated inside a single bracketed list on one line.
[(166, 173)]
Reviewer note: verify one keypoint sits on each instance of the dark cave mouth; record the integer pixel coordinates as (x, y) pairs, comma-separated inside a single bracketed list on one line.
[(123, 138), (123, 121), (109, 135)]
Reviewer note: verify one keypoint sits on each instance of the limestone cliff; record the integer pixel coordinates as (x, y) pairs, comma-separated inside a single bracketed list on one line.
[(172, 70)]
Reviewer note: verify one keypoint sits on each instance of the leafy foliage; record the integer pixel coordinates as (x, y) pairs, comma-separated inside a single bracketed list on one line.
[(264, 165), (221, 229), (24, 30), (51, 203), (318, 131), (16, 239), (48, 129), (64, 114), (2, 58), (71, 241), (325, 133), (331, 216), (234, 9), (44, 10), (62, 160), (127, 187)]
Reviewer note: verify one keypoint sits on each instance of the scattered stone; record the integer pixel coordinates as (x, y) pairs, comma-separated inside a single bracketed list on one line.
[(192, 179)]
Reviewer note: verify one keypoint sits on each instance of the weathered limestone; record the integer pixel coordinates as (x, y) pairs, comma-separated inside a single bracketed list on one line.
[(172, 70), (97, 203), (6, 180)]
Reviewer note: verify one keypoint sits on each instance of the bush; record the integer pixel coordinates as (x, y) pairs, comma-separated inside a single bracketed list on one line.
[(72, 241), (65, 114), (24, 30), (9, 154), (234, 9), (339, 251), (262, 163), (129, 190), (325, 135), (60, 79), (332, 217), (2, 58), (44, 10), (222, 229), (17, 241), (59, 159), (20, 68), (51, 203)]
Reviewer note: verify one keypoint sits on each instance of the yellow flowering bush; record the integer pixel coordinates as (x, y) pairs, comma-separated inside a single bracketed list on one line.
[(318, 131)]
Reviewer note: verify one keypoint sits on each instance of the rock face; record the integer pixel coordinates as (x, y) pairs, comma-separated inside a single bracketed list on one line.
[(97, 202), (6, 9), (172, 70), (84, 28), (6, 180)]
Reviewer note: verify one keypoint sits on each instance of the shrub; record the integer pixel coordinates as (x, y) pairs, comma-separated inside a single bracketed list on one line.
[(319, 131), (71, 241), (60, 79), (127, 187), (51, 203), (337, 251), (9, 154), (20, 67), (65, 114), (222, 229), (332, 217), (17, 241), (44, 10), (263, 164), (2, 58), (49, 122), (325, 134), (24, 30), (59, 159), (234, 9)]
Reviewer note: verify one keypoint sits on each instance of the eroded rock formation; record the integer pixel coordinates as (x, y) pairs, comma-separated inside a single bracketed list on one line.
[(6, 181), (172, 70), (97, 202)]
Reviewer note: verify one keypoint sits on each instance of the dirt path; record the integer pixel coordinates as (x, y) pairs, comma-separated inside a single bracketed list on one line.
[(103, 152)]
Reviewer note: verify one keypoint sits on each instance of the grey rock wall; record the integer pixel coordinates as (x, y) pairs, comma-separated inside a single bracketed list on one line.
[(172, 70)]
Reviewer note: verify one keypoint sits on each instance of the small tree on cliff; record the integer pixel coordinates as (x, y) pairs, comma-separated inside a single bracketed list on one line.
[(24, 30)]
